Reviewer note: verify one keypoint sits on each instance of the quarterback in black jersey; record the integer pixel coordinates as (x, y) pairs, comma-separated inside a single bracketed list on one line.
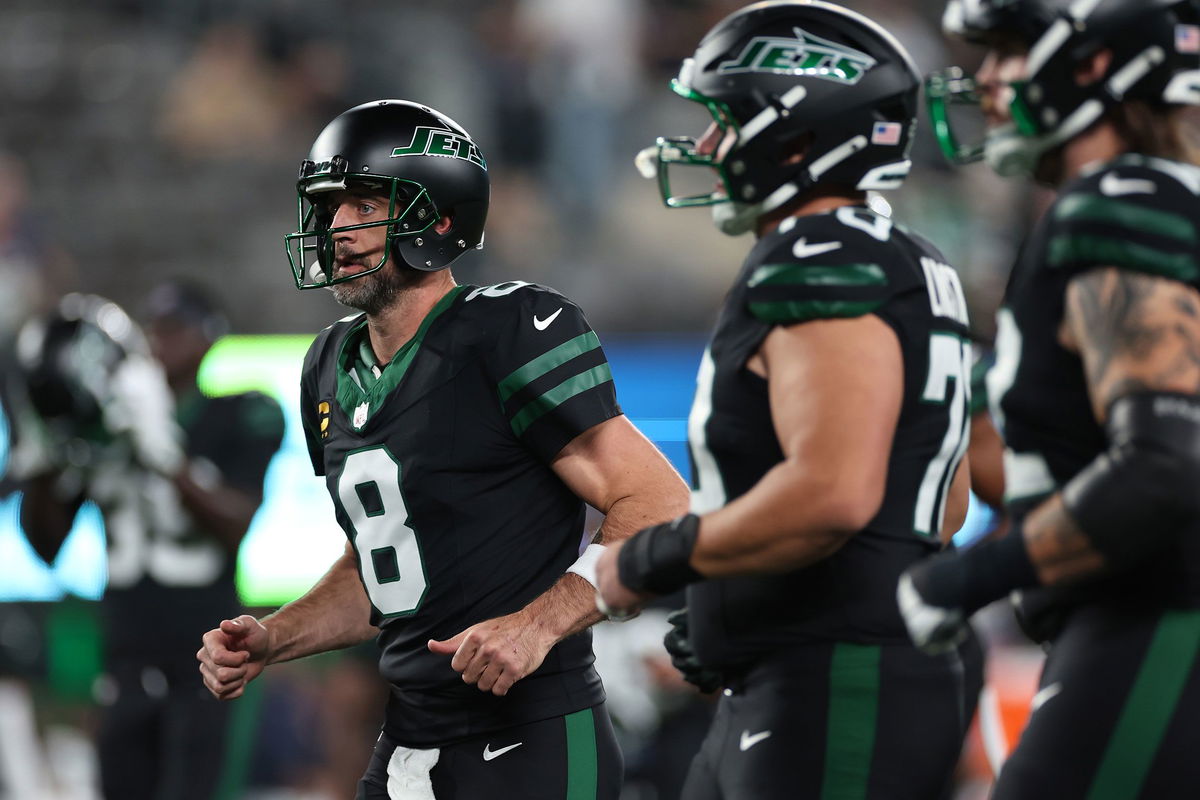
[(177, 496), (828, 429), (1095, 389), (460, 430)]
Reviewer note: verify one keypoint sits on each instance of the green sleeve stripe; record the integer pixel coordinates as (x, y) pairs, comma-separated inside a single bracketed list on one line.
[(979, 394), (528, 373), (804, 310), (1093, 208), (850, 729), (541, 405), (1106, 251), (1166, 668), (818, 275), (583, 772)]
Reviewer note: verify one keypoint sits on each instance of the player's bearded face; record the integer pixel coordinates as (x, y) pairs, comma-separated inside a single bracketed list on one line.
[(370, 293)]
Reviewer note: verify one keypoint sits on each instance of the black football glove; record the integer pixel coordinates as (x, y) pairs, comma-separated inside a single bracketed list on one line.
[(938, 595), (683, 657)]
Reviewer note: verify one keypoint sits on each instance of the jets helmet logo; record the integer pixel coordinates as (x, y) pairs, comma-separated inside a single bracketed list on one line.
[(442, 142), (806, 55)]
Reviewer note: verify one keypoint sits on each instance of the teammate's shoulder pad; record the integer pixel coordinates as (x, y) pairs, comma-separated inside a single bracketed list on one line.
[(1136, 213), (823, 266)]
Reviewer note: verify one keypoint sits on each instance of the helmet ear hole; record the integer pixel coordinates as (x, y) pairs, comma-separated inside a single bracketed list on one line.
[(443, 225), (794, 147)]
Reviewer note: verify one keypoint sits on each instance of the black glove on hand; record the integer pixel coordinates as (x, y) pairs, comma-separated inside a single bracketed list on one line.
[(683, 657)]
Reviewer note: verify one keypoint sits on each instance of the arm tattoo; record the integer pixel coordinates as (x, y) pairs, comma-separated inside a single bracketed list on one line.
[(1059, 549), (1135, 333)]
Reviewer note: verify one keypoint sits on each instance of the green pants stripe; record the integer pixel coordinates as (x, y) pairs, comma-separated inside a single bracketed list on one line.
[(582, 771), (853, 708), (1147, 711), (239, 743)]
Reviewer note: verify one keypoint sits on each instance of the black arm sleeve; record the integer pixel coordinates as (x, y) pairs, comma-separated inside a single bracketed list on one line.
[(1141, 492)]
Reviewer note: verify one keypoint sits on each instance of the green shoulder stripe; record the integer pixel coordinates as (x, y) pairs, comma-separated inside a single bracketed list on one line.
[(1122, 214), (529, 372), (1115, 252), (546, 402), (804, 310), (817, 275)]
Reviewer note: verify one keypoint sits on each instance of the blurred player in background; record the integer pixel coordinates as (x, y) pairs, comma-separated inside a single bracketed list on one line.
[(828, 429), (116, 417), (461, 430), (1096, 388)]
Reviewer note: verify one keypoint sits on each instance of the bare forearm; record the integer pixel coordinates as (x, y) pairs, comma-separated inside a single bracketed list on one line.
[(790, 519), (569, 606), (334, 614)]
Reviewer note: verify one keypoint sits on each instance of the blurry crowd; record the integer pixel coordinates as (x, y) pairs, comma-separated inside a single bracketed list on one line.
[(143, 139), (146, 139)]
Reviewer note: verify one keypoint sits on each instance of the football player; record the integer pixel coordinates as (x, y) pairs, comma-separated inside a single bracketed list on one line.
[(828, 428), (118, 420), (461, 429), (1095, 388)]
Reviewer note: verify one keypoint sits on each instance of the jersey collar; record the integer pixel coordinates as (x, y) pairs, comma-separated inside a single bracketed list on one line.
[(357, 384)]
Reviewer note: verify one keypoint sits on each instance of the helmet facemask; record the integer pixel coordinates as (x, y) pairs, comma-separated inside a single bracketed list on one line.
[(410, 212), (681, 151)]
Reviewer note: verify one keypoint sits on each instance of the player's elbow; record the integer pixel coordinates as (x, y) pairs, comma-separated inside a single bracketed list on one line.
[(852, 497), (1139, 496), (840, 506)]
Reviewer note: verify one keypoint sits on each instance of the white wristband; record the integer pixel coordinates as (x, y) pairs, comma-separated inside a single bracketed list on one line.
[(585, 565)]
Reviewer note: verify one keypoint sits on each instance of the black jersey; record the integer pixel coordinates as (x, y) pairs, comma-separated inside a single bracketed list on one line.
[(845, 263), (440, 476), (1136, 214), (166, 573)]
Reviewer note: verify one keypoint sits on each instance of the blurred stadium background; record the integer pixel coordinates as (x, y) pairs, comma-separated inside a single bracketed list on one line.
[(148, 139)]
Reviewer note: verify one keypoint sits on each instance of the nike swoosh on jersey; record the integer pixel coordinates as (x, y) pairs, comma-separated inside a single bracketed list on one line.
[(1115, 186), (1044, 694), (749, 740), (489, 753), (542, 324), (802, 249)]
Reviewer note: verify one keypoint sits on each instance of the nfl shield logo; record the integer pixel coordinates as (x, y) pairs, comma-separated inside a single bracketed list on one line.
[(1187, 38), (360, 415), (886, 133)]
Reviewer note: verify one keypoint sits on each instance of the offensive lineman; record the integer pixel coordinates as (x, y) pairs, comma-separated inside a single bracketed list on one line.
[(1095, 387), (827, 431), (460, 430)]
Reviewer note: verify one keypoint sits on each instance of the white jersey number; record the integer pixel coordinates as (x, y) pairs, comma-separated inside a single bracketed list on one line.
[(148, 529), (389, 555), (709, 493), (949, 362)]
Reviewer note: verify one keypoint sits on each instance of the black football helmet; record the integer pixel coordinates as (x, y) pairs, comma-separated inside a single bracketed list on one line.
[(1155, 47), (780, 75), (423, 161), (68, 356)]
